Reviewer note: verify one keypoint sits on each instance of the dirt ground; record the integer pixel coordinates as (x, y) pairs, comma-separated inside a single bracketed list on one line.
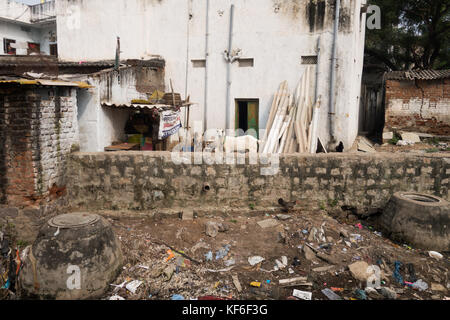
[(346, 240)]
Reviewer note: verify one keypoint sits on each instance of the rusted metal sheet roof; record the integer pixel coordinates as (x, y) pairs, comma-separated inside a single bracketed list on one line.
[(43, 82), (418, 75)]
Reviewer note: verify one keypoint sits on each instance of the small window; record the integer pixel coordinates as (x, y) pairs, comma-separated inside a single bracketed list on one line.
[(54, 50), (7, 48), (199, 63), (34, 48), (246, 63), (309, 59)]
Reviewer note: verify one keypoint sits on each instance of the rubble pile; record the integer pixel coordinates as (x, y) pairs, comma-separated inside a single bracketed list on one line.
[(304, 255)]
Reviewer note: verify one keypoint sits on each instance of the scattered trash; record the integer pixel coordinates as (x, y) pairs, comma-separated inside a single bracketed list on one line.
[(412, 273), (221, 270), (296, 262), (337, 289), (304, 295), (293, 281), (359, 226), (435, 255), (397, 274), (223, 252), (291, 271), (209, 256), (255, 284), (268, 281), (236, 283), (133, 286), (230, 262), (177, 297), (255, 260), (171, 255), (330, 294), (355, 237), (116, 297), (420, 285), (360, 294)]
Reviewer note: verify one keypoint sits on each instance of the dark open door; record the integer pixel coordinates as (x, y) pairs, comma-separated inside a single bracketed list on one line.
[(247, 116)]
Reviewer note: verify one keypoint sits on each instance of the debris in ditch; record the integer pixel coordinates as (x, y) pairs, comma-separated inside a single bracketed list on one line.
[(397, 274), (330, 294), (236, 283), (133, 286), (209, 256), (304, 295), (255, 260), (420, 285), (360, 294), (435, 255)]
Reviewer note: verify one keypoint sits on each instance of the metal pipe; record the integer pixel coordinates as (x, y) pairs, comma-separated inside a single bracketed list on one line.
[(332, 106), (205, 110), (186, 116), (316, 92), (229, 62)]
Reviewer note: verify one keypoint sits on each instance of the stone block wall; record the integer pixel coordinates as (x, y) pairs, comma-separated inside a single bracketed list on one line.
[(145, 181), (421, 106)]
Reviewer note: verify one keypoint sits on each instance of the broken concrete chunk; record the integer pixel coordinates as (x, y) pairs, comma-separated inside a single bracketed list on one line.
[(409, 136), (388, 293), (283, 217), (212, 229), (359, 270), (309, 253), (387, 136), (269, 223), (188, 214)]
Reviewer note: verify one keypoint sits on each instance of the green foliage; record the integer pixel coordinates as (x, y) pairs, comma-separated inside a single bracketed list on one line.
[(415, 34), (395, 139)]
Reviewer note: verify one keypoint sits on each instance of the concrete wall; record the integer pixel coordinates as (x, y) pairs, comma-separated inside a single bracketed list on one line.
[(144, 181), (276, 34), (421, 106)]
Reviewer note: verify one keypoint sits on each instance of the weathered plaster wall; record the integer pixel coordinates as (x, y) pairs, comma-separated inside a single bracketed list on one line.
[(276, 34), (100, 126), (145, 181), (422, 106)]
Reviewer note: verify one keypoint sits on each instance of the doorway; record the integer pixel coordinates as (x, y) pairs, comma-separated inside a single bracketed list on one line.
[(247, 116)]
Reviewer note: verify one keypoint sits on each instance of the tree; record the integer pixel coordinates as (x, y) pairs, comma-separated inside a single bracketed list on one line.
[(414, 34)]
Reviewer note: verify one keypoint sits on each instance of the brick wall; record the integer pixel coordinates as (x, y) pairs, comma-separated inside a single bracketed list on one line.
[(421, 106), (38, 128), (145, 181)]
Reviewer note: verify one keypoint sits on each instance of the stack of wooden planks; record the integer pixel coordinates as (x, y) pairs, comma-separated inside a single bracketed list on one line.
[(293, 121)]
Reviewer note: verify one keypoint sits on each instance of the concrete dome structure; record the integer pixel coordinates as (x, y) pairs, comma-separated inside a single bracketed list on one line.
[(75, 256)]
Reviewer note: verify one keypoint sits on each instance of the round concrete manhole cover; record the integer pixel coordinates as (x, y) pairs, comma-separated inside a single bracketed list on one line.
[(73, 220)]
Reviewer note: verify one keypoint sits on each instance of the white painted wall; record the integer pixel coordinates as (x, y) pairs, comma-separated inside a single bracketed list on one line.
[(87, 31), (16, 24)]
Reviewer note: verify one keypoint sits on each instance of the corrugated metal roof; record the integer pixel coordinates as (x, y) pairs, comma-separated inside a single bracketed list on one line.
[(43, 82), (418, 75), (137, 106)]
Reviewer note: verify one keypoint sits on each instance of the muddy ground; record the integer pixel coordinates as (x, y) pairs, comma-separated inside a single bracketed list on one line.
[(145, 244)]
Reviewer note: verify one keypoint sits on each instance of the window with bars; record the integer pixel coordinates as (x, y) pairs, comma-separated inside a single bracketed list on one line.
[(309, 59)]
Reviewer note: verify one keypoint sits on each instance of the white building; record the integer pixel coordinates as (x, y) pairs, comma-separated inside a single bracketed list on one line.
[(26, 29), (274, 37)]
